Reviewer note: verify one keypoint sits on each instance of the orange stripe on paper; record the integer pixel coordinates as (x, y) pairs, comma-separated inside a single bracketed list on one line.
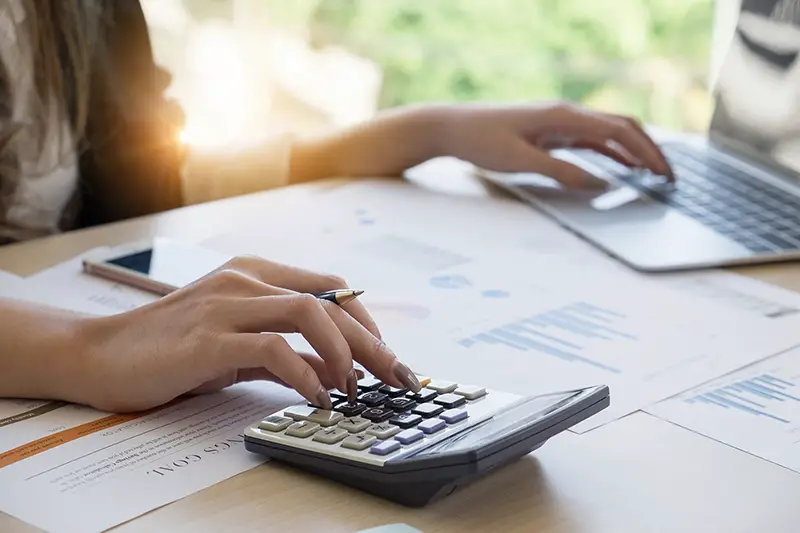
[(68, 435)]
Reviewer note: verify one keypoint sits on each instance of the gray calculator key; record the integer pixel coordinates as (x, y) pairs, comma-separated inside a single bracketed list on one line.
[(384, 430), (450, 401), (408, 436), (359, 442), (470, 392), (453, 415), (275, 423), (302, 429), (428, 410), (432, 425), (442, 387), (330, 435), (384, 448), (355, 424), (299, 412), (325, 418)]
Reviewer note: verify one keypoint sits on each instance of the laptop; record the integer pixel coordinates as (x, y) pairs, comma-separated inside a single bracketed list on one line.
[(737, 194)]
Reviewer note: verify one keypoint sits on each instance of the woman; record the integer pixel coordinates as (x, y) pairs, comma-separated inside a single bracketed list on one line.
[(88, 138)]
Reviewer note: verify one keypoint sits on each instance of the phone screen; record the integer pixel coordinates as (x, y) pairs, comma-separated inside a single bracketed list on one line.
[(171, 262)]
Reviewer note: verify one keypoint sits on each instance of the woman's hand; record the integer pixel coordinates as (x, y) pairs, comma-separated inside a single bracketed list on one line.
[(504, 138), (517, 139), (223, 329)]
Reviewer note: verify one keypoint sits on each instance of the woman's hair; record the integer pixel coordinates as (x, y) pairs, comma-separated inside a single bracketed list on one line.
[(62, 36)]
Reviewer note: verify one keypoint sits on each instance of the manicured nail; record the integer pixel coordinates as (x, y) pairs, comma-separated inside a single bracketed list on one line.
[(324, 399), (359, 373), (352, 386), (406, 377)]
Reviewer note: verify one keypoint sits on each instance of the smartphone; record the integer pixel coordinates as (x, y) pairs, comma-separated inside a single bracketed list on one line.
[(160, 266)]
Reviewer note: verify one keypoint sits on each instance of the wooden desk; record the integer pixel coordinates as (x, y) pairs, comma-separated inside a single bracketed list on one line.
[(636, 475)]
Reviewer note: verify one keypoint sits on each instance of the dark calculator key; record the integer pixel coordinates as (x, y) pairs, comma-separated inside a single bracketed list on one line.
[(449, 401), (350, 409), (392, 392), (400, 404), (425, 395), (369, 384), (428, 410), (373, 398), (405, 420), (378, 414)]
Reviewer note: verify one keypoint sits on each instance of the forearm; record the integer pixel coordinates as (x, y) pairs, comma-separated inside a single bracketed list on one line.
[(384, 147), (40, 351)]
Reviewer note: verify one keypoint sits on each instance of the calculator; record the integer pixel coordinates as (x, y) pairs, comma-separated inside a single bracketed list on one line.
[(416, 448)]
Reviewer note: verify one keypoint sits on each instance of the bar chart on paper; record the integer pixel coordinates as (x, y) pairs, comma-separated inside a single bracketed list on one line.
[(560, 333), (756, 409)]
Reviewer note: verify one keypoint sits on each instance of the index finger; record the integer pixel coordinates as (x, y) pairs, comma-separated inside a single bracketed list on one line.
[(602, 128), (305, 281)]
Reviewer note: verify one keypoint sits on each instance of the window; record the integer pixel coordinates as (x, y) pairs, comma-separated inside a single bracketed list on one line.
[(314, 63)]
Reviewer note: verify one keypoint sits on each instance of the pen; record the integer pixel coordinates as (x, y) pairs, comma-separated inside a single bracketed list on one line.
[(340, 296)]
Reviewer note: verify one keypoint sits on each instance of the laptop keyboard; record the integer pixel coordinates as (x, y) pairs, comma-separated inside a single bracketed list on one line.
[(757, 215)]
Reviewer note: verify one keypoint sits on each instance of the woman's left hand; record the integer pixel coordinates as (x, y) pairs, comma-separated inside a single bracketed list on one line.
[(517, 138)]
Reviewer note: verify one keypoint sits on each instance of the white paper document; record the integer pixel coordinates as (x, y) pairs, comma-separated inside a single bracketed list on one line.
[(755, 409), (93, 470), (525, 327), (530, 322)]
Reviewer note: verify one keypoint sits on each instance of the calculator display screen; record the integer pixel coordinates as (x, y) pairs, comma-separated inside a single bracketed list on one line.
[(503, 424)]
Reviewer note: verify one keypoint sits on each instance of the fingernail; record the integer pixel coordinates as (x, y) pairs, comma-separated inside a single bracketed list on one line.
[(406, 377), (359, 373), (352, 386), (324, 399)]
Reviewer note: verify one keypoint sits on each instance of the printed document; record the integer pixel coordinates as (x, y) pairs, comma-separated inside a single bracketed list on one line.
[(93, 470), (755, 409)]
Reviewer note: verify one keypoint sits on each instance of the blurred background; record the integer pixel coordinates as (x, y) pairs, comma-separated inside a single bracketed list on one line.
[(307, 65)]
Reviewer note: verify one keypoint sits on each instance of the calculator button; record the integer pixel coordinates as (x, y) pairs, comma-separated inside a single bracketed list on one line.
[(369, 384), (325, 418), (334, 403), (378, 414), (424, 395), (385, 448), (392, 392), (453, 415), (330, 435), (373, 398), (355, 424), (449, 401), (470, 392), (423, 381), (302, 429), (408, 436), (383, 430), (337, 395), (359, 442), (429, 426), (405, 420), (350, 409), (428, 410), (275, 423), (400, 404), (299, 412), (442, 387)]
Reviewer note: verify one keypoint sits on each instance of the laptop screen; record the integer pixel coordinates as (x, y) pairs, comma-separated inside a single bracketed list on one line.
[(757, 92)]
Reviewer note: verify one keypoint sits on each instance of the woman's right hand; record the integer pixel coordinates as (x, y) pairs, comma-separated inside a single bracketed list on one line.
[(223, 329)]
